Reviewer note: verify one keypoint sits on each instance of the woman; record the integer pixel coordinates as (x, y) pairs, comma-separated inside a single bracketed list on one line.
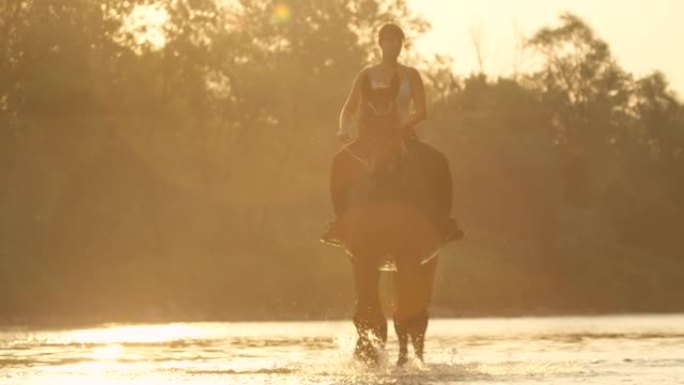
[(392, 197)]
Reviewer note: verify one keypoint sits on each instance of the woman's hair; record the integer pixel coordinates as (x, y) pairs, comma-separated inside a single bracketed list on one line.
[(390, 30)]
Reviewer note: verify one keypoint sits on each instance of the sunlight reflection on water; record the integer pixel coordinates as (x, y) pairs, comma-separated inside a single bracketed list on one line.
[(525, 350)]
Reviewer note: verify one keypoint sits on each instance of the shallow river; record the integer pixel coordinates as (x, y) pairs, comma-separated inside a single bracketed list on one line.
[(640, 349)]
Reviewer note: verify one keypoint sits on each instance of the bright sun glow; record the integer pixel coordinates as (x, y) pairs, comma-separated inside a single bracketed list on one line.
[(639, 33), (640, 36), (146, 23), (108, 353)]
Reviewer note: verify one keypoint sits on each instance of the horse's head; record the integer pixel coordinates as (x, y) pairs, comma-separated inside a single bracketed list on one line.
[(381, 116)]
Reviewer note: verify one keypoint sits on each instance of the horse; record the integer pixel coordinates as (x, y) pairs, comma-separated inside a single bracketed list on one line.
[(391, 195)]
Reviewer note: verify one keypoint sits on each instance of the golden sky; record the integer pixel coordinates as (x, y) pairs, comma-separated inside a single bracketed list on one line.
[(644, 35)]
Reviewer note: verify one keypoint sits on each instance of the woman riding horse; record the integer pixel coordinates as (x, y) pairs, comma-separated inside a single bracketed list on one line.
[(392, 199)]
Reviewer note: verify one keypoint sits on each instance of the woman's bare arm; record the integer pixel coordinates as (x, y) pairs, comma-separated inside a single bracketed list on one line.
[(419, 104), (349, 115)]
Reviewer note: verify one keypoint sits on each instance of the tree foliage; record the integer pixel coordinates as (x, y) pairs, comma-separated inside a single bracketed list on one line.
[(186, 177)]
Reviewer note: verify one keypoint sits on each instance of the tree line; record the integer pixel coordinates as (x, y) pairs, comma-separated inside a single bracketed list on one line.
[(186, 177)]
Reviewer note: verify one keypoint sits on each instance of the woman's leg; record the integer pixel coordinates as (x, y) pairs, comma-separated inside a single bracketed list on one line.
[(341, 173), (346, 179), (413, 292), (436, 200), (370, 322)]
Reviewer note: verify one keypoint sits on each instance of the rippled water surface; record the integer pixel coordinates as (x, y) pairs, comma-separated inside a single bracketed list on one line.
[(590, 350)]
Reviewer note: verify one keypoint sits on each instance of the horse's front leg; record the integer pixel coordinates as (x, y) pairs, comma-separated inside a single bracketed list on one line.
[(413, 291), (401, 329), (370, 322)]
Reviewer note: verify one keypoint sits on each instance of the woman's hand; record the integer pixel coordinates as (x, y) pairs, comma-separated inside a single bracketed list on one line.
[(343, 137), (348, 116)]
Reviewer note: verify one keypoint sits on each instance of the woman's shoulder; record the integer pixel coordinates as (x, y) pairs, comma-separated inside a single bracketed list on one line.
[(408, 70), (369, 69), (365, 71)]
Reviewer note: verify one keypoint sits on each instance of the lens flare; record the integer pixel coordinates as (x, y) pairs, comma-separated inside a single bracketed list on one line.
[(281, 13)]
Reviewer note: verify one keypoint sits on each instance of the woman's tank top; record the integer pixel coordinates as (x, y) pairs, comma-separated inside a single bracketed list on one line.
[(384, 107)]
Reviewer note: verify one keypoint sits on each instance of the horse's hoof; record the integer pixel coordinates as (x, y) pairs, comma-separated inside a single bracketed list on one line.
[(366, 353), (368, 359), (402, 360)]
